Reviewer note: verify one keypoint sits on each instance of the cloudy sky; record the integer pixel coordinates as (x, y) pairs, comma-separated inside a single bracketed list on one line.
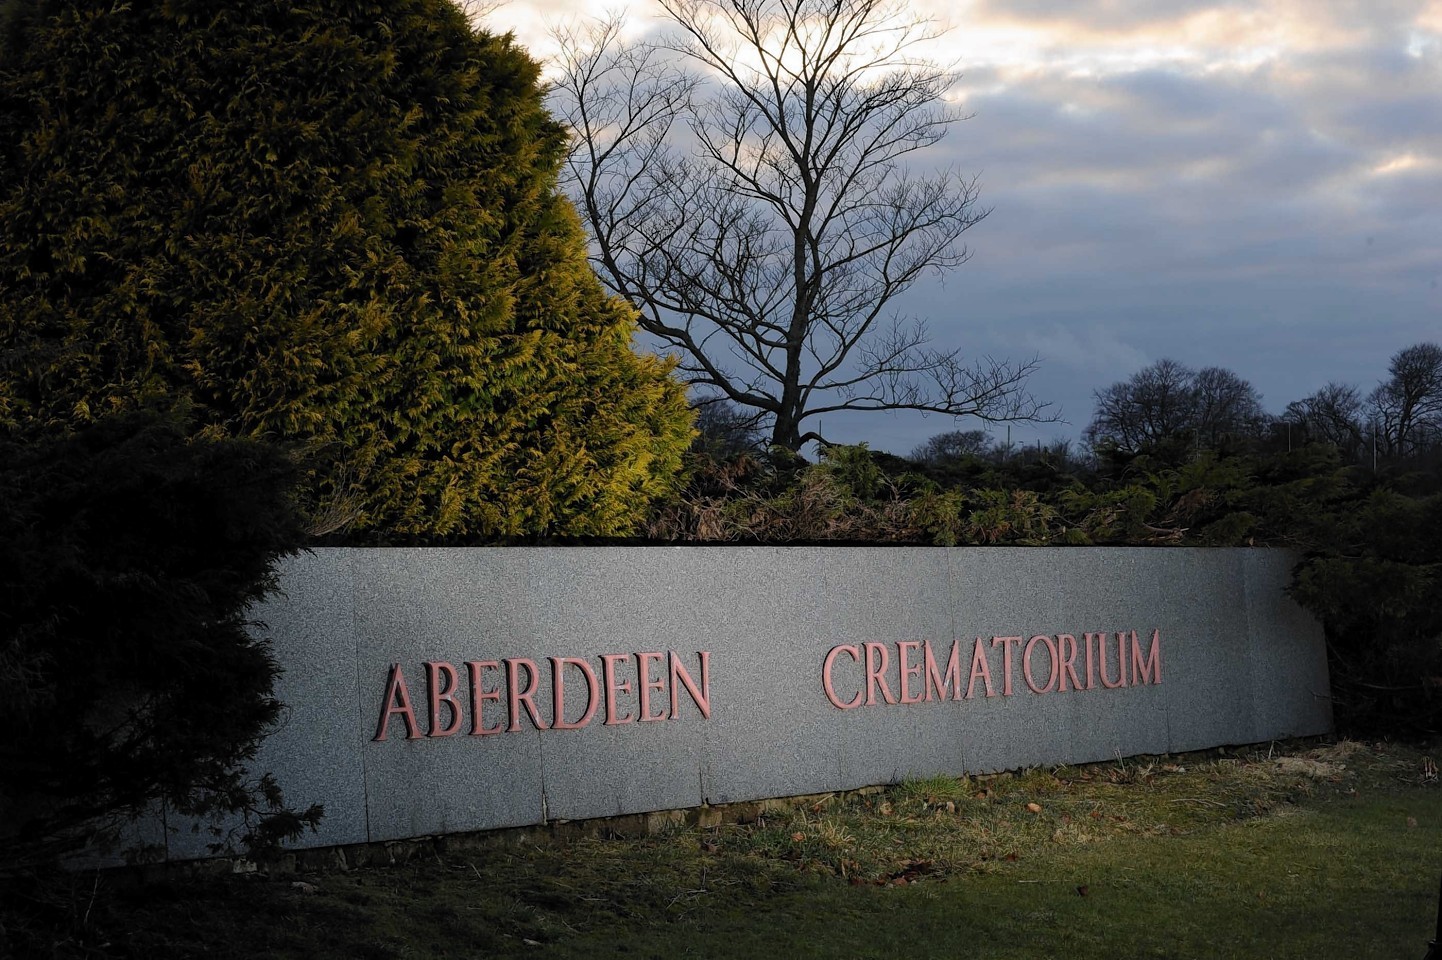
[(1253, 184)]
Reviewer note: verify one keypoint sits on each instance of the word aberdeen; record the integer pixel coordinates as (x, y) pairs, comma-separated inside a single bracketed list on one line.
[(650, 692)]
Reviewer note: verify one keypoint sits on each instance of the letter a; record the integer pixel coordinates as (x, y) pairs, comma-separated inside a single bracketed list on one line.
[(979, 668), (397, 700)]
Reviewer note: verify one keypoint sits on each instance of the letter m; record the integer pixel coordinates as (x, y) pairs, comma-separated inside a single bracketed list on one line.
[(935, 680), (1150, 669)]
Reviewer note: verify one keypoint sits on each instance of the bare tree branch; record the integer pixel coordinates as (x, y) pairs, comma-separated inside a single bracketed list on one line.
[(745, 179)]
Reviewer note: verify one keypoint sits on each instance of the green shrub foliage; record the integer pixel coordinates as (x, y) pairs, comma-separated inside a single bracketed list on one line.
[(1372, 573), (128, 558), (328, 222)]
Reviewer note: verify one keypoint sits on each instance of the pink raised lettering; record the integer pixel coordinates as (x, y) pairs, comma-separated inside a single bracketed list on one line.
[(479, 696), (397, 700), (645, 684), (517, 697), (827, 682), (936, 680), (979, 668), (441, 682), (558, 693), (1121, 680), (1149, 671), (1051, 681), (1091, 638), (908, 671), (680, 678), (1006, 643), (876, 673), (608, 671), (1066, 650)]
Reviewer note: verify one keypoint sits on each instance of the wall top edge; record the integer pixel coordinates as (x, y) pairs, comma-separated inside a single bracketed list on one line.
[(808, 547)]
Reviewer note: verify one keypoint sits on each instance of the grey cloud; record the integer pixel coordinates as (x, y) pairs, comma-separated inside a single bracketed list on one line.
[(1382, 98), (1364, 20), (1104, 14), (1149, 125)]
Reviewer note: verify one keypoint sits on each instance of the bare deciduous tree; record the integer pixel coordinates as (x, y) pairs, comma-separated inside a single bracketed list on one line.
[(1408, 404), (1333, 415), (1168, 400), (1224, 406), (747, 185), (725, 430), (954, 445), (1154, 404)]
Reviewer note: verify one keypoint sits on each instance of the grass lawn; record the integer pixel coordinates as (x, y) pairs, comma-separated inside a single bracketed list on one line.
[(1319, 851)]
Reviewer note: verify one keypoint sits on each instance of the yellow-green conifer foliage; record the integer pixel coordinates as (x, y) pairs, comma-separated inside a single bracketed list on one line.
[(329, 222)]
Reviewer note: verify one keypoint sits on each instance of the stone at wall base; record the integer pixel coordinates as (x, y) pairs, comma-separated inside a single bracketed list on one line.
[(391, 853)]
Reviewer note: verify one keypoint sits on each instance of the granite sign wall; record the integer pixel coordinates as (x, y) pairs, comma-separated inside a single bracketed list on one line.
[(431, 691)]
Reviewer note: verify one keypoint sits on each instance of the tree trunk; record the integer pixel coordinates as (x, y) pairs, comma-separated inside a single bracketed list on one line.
[(787, 432)]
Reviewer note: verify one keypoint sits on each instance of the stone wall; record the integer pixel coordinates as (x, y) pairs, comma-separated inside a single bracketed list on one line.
[(422, 684)]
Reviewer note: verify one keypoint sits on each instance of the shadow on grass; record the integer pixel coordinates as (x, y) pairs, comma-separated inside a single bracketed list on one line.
[(1326, 851)]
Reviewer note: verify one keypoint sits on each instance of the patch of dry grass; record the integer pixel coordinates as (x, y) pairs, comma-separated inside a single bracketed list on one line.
[(1330, 848)]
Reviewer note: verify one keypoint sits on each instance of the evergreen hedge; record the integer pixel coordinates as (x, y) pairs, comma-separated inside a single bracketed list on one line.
[(129, 558), (329, 222)]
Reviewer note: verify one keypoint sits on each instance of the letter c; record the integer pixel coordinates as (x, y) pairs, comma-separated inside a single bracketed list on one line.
[(826, 676)]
